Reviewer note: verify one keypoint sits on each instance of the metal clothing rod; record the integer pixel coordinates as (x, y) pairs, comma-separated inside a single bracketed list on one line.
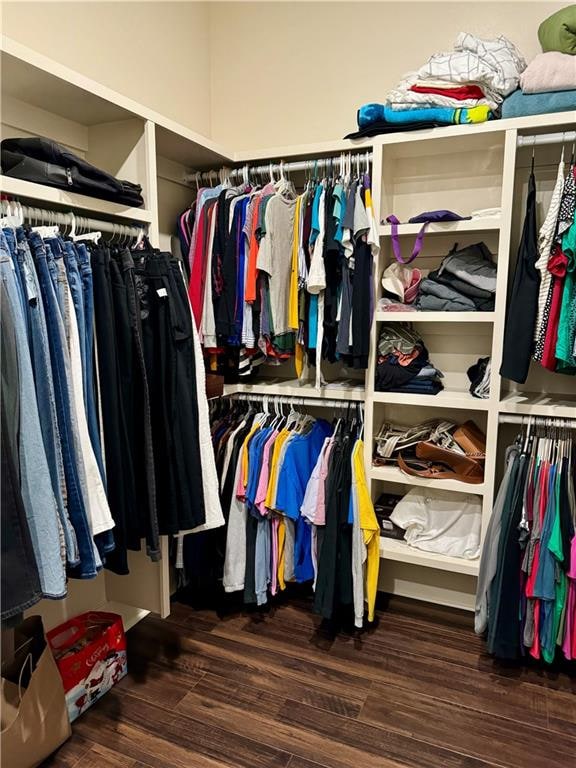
[(32, 214), (546, 138), (511, 418), (295, 400), (279, 166)]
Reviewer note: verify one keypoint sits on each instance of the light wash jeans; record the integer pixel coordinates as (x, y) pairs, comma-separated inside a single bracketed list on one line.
[(76, 487), (35, 480)]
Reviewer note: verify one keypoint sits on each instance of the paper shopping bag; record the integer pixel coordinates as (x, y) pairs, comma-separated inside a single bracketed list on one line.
[(34, 719)]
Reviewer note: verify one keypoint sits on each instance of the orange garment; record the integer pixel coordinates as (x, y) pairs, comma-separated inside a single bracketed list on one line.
[(251, 270)]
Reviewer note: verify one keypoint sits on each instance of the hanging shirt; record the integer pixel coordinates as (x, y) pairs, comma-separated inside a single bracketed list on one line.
[(545, 240), (274, 257)]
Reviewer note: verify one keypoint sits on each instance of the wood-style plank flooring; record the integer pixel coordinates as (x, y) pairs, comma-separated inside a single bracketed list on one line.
[(273, 691)]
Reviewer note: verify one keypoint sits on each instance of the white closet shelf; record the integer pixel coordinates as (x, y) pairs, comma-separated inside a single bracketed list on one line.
[(392, 549), (130, 614), (435, 317), (484, 224), (447, 398), (70, 200), (291, 388), (395, 475), (539, 404)]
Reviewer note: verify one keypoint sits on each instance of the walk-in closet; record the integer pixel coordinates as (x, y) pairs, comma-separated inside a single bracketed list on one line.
[(288, 394)]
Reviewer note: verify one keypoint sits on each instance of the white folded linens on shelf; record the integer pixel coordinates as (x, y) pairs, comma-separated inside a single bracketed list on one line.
[(440, 521)]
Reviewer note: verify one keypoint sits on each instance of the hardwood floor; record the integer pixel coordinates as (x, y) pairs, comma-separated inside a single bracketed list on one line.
[(273, 691)]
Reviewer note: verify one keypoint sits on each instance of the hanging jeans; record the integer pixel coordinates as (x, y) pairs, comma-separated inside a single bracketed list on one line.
[(170, 368), (41, 365), (75, 491), (117, 449), (20, 580), (83, 260), (136, 397), (35, 480)]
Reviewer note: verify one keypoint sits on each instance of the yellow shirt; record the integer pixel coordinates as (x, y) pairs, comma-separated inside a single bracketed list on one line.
[(281, 552), (370, 529), (293, 321), (273, 479)]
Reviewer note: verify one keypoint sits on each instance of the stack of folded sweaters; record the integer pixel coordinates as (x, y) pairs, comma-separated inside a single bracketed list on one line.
[(548, 84), (464, 282), (404, 364), (466, 85)]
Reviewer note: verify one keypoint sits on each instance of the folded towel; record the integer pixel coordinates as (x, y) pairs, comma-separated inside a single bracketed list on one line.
[(412, 92), (548, 72), (371, 113), (460, 92), (519, 104)]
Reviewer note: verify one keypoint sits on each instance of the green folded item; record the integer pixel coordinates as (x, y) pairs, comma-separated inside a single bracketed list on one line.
[(558, 32)]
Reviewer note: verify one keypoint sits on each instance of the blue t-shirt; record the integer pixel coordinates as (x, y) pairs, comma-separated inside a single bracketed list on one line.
[(299, 462)]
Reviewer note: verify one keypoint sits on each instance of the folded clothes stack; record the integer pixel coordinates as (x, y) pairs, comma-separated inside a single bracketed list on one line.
[(404, 364), (464, 282), (548, 84), (466, 85)]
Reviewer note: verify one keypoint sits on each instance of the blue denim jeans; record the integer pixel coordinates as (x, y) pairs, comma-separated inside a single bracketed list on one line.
[(76, 489), (85, 269), (35, 480), (41, 364), (10, 235), (77, 291)]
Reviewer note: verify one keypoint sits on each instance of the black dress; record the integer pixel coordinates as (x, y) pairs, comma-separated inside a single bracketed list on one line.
[(523, 301)]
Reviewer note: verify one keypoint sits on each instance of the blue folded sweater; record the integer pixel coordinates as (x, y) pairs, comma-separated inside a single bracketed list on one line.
[(520, 104)]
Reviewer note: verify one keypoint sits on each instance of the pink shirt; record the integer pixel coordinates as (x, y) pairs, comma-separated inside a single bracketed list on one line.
[(264, 474), (321, 508)]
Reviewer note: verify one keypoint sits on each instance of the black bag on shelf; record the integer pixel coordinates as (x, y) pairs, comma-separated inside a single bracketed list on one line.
[(43, 161)]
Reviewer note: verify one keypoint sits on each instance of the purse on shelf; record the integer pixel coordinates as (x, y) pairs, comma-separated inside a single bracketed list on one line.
[(426, 218), (434, 449)]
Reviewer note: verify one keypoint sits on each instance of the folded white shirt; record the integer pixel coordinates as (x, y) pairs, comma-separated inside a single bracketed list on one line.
[(441, 522)]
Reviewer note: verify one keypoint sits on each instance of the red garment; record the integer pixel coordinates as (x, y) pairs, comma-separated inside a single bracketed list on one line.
[(251, 270), (557, 264), (198, 264), (460, 93)]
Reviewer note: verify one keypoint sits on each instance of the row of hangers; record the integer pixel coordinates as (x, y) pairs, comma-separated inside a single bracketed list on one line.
[(340, 167), (272, 406), (50, 223)]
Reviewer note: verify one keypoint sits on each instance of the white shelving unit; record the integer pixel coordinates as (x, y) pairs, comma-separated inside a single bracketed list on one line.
[(395, 475), (60, 199), (292, 388), (42, 97), (479, 224)]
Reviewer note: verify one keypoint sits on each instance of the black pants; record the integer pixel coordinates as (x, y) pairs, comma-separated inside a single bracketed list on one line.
[(334, 582), (361, 293), (119, 472), (171, 374), (136, 402)]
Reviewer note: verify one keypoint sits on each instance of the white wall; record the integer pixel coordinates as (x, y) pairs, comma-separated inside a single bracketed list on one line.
[(263, 73), (284, 73), (156, 53)]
